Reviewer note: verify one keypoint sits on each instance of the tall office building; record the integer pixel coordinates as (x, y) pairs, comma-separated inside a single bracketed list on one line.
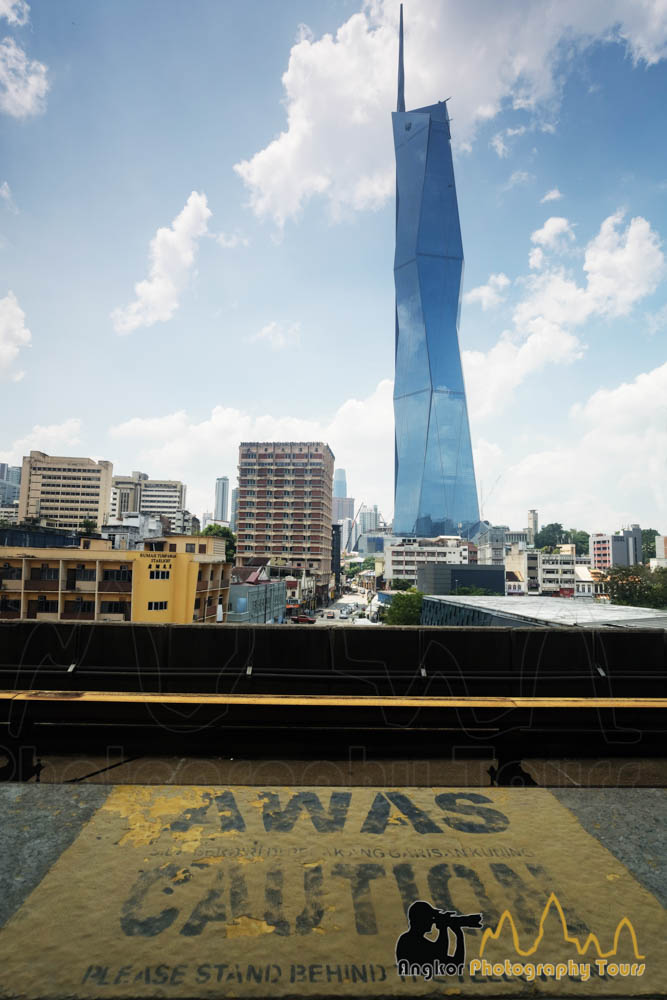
[(64, 491), (10, 484), (434, 481), (342, 507), (221, 498), (284, 508), (139, 494), (339, 483), (235, 509)]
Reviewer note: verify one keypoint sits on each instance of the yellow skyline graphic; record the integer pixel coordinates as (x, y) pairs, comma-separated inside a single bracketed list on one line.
[(570, 938)]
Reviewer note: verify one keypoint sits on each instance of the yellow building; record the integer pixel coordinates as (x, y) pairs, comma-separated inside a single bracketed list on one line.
[(178, 579)]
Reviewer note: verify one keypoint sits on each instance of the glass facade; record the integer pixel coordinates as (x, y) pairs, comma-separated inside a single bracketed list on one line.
[(434, 485)]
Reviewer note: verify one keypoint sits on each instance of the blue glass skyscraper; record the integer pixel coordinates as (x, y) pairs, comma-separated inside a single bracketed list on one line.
[(434, 484)]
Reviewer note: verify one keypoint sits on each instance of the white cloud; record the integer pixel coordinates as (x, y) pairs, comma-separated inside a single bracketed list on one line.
[(553, 195), (17, 12), (231, 240), (554, 234), (14, 335), (536, 258), (6, 195), (657, 321), (519, 177), (616, 444), (360, 433), (23, 82), (498, 144), (621, 267), (339, 88), (54, 439), (492, 376), (172, 254), (488, 295), (278, 336)]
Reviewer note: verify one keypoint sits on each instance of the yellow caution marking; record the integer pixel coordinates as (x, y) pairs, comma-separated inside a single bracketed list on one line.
[(246, 892)]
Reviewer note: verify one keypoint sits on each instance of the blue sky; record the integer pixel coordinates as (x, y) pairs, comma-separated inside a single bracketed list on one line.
[(196, 238)]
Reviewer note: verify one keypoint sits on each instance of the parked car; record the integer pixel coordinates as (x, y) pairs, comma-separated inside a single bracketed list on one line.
[(331, 614), (305, 619)]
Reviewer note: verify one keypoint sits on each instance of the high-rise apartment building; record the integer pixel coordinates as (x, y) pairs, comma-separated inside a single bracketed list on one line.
[(369, 519), (434, 485), (221, 498), (64, 491), (284, 506)]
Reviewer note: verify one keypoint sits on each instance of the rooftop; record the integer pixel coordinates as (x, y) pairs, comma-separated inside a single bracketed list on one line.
[(561, 611)]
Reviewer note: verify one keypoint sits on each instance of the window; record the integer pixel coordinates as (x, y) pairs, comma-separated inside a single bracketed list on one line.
[(159, 574), (202, 549), (157, 605), (172, 546), (189, 547), (117, 574)]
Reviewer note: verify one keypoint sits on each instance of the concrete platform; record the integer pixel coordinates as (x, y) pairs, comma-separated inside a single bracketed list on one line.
[(244, 890)]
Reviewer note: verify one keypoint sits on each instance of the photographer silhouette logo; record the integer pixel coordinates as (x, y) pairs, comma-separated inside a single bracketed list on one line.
[(419, 955)]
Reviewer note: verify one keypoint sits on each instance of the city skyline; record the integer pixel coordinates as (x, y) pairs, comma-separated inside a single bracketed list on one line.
[(177, 238)]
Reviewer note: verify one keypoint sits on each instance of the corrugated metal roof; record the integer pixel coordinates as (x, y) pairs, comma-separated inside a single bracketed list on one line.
[(585, 613)]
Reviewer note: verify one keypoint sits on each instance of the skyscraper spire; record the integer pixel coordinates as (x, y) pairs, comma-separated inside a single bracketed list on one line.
[(400, 106)]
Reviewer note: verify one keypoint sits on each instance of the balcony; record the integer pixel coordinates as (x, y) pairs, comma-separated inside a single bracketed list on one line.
[(115, 587), (41, 585)]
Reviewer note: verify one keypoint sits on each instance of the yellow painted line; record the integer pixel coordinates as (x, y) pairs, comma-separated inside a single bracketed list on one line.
[(325, 700)]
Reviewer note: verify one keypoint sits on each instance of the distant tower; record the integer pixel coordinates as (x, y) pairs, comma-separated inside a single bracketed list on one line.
[(434, 479), (339, 483), (221, 497), (532, 526)]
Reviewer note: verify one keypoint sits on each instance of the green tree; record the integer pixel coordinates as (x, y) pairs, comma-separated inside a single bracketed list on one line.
[(399, 584), (472, 591), (405, 608), (580, 539), (368, 563), (550, 535), (221, 531), (630, 585), (352, 571), (648, 543), (88, 527), (659, 580)]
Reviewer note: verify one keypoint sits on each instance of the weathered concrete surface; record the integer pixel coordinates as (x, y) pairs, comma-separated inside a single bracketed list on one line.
[(249, 892), (630, 822), (36, 825)]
